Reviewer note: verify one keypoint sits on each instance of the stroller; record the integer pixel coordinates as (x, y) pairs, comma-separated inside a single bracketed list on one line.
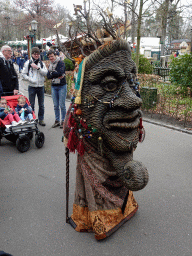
[(21, 134)]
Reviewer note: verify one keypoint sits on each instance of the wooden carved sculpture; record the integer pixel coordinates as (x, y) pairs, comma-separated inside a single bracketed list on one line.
[(103, 125)]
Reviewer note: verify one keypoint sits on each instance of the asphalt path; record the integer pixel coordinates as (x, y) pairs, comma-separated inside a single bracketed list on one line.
[(32, 199)]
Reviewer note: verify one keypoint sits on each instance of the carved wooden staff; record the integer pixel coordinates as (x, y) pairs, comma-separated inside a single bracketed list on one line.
[(67, 184)]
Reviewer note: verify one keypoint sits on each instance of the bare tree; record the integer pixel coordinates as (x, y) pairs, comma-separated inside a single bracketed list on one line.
[(40, 10), (139, 33), (89, 28)]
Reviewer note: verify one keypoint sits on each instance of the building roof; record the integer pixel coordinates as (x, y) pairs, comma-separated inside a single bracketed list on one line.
[(180, 41), (148, 41), (61, 37)]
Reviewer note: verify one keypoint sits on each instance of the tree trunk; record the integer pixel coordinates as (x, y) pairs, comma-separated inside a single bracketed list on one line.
[(133, 23), (138, 33), (164, 26), (125, 23)]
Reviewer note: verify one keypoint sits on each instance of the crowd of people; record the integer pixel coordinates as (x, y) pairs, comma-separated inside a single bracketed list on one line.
[(20, 56), (34, 71)]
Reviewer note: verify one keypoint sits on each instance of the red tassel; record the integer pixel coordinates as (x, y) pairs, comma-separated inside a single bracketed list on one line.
[(84, 124), (72, 141), (71, 121), (140, 135), (81, 148)]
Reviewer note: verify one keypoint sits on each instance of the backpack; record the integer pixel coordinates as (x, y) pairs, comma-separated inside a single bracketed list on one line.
[(29, 65)]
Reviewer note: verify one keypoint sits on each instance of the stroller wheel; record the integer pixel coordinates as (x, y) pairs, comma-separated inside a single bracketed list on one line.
[(39, 140), (23, 143)]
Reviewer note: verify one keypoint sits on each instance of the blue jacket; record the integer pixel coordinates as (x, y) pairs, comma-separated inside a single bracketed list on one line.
[(28, 111), (59, 71), (3, 114)]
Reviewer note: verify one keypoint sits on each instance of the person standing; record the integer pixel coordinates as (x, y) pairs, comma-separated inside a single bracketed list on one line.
[(34, 72), (8, 75), (18, 61), (56, 72)]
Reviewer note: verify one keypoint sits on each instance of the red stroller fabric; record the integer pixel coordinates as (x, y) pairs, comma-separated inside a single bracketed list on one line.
[(12, 103)]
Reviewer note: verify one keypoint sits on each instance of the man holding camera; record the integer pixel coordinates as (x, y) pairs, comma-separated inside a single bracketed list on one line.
[(34, 73), (8, 75)]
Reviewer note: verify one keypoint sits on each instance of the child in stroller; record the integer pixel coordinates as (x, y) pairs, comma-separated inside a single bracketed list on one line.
[(24, 111), (20, 134), (8, 114)]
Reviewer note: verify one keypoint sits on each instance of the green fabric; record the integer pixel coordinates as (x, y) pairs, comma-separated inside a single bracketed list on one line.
[(77, 84)]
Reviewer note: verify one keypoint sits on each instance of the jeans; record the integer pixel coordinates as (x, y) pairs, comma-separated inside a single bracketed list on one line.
[(59, 93), (39, 91), (29, 116)]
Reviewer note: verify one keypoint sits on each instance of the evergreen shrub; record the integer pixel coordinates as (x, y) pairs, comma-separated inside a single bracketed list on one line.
[(145, 66), (181, 70), (69, 65)]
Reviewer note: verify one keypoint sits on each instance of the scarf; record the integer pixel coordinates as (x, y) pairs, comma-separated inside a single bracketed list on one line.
[(35, 61), (53, 65)]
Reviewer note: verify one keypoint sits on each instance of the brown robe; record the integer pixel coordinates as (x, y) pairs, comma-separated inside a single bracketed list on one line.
[(102, 203)]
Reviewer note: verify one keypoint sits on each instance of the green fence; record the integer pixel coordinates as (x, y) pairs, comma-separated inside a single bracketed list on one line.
[(149, 97), (163, 72)]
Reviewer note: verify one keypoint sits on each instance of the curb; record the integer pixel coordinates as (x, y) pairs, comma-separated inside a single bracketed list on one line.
[(176, 128)]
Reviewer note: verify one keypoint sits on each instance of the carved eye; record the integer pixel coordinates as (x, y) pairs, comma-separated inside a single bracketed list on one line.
[(110, 87), (109, 83)]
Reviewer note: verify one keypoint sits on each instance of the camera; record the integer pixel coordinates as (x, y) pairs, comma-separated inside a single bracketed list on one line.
[(13, 77)]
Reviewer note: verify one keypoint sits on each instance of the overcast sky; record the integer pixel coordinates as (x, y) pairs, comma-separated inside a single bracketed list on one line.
[(69, 4)]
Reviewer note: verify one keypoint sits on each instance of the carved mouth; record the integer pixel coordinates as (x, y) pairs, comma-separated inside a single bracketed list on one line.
[(122, 120)]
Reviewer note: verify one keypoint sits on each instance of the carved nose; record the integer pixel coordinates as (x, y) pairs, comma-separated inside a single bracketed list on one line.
[(128, 99)]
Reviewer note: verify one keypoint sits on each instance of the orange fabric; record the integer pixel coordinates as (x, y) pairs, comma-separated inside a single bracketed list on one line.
[(81, 218), (102, 221)]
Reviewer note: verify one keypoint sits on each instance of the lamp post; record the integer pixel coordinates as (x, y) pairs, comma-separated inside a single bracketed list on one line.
[(31, 38), (34, 29)]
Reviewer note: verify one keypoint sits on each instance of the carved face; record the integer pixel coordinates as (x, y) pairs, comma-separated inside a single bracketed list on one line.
[(110, 104)]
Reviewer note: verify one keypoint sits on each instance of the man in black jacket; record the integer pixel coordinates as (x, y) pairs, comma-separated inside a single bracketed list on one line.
[(8, 75)]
